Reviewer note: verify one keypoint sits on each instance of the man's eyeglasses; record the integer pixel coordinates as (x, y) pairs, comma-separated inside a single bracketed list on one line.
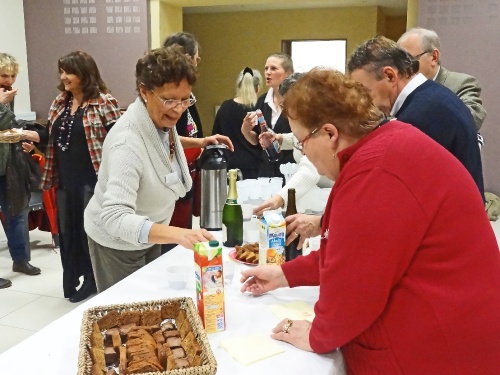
[(172, 103), (300, 144), (417, 57)]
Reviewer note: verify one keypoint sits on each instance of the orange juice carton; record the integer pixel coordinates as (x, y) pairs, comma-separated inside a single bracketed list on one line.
[(272, 237), (210, 285)]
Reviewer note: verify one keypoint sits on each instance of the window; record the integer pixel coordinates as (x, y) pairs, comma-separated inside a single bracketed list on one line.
[(306, 54)]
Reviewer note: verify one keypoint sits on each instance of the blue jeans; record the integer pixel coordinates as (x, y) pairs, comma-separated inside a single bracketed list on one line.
[(15, 227)]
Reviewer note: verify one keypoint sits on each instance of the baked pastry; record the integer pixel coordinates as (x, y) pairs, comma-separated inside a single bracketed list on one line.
[(110, 320)]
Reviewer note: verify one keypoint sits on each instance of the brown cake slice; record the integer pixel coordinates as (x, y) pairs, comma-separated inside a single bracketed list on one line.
[(170, 310), (111, 356), (167, 325), (97, 356), (194, 360), (110, 320), (159, 338), (161, 352), (181, 363), (140, 367), (172, 333), (122, 367), (96, 338), (178, 352), (151, 317), (130, 317), (174, 341)]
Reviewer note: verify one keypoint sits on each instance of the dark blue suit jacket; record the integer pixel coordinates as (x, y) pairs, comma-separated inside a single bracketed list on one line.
[(439, 113)]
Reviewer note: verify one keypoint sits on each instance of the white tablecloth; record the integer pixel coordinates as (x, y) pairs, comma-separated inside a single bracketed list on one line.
[(54, 349)]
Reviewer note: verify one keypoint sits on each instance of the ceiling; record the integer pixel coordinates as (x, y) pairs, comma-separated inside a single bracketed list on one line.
[(390, 7)]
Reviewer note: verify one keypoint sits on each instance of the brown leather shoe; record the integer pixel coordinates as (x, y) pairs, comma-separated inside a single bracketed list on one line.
[(4, 283), (25, 267)]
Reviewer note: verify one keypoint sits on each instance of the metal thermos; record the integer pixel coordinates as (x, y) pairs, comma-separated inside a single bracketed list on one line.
[(213, 166)]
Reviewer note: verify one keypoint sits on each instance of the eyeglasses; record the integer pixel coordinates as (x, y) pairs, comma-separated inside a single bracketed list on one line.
[(172, 103), (417, 57), (300, 144)]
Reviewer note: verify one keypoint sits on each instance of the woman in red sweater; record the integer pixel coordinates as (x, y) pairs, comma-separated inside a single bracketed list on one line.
[(409, 267)]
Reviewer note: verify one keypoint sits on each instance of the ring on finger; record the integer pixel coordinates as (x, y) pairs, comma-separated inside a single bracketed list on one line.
[(286, 327)]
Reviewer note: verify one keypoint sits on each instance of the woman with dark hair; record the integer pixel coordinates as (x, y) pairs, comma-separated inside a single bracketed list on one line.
[(188, 125), (79, 119), (144, 172)]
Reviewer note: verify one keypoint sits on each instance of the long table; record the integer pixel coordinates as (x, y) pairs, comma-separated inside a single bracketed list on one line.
[(54, 349)]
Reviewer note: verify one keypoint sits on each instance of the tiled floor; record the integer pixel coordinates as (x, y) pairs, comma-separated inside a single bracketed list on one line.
[(32, 302)]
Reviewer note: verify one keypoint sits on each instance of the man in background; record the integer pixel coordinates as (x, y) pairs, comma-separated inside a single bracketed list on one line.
[(424, 46), (391, 75)]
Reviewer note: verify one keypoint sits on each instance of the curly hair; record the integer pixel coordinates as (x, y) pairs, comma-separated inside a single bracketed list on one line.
[(164, 65), (83, 65), (327, 96), (379, 52)]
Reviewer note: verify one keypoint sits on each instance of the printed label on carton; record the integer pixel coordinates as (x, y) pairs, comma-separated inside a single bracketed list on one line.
[(209, 286), (272, 237)]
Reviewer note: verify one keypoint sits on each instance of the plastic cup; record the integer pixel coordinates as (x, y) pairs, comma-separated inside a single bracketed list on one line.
[(228, 269), (177, 277)]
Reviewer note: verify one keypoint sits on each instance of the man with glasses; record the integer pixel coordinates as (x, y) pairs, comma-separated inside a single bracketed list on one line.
[(424, 46)]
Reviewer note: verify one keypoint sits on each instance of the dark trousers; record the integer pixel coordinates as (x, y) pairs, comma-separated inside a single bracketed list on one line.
[(15, 227)]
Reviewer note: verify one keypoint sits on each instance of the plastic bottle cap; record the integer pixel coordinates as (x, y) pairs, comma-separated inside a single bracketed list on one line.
[(213, 243)]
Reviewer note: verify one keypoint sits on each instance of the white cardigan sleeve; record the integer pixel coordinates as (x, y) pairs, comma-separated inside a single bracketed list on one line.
[(302, 181)]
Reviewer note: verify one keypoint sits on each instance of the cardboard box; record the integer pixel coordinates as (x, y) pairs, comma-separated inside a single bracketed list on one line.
[(210, 285), (272, 237)]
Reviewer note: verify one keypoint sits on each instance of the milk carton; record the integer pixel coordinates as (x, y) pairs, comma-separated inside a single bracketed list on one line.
[(272, 237), (210, 285)]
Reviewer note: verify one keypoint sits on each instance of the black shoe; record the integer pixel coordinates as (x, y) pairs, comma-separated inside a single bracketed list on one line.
[(25, 267), (4, 283), (88, 288)]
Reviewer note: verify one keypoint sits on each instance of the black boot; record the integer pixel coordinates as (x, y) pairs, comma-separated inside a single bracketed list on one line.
[(4, 283), (86, 290), (25, 267)]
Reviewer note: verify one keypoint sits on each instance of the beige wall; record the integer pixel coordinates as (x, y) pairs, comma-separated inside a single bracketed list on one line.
[(231, 41), (165, 19)]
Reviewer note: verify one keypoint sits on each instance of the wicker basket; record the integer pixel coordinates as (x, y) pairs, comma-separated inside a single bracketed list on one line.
[(11, 136), (209, 366)]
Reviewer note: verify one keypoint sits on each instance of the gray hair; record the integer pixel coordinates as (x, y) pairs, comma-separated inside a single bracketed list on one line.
[(288, 82), (429, 39)]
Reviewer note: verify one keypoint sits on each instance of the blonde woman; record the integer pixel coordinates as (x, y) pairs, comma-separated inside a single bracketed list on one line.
[(246, 156)]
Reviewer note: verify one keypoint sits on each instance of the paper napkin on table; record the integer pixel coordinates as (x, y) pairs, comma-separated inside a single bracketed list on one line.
[(297, 310), (251, 348)]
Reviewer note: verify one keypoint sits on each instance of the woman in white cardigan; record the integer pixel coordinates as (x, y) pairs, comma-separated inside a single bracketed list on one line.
[(306, 175), (144, 171)]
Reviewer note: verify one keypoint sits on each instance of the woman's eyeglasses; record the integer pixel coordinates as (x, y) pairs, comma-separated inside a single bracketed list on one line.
[(172, 103), (299, 145)]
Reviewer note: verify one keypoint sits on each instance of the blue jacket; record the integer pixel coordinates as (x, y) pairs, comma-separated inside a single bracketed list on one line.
[(439, 113)]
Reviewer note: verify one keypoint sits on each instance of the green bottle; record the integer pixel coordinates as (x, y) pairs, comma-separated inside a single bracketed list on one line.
[(232, 215)]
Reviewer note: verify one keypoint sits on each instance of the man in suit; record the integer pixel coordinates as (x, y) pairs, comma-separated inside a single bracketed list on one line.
[(391, 75), (424, 45)]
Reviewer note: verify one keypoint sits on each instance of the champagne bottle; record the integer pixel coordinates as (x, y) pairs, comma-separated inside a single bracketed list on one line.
[(268, 140), (232, 215), (291, 251)]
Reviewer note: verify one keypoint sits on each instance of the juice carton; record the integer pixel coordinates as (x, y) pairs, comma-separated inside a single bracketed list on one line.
[(272, 237), (210, 285)]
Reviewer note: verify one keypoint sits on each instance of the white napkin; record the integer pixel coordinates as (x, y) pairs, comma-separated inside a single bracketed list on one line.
[(251, 348), (297, 310)]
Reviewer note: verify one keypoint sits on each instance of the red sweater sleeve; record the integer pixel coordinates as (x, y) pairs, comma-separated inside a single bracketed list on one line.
[(375, 227), (303, 270)]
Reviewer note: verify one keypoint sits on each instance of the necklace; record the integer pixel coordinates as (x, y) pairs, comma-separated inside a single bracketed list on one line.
[(66, 125), (171, 145)]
